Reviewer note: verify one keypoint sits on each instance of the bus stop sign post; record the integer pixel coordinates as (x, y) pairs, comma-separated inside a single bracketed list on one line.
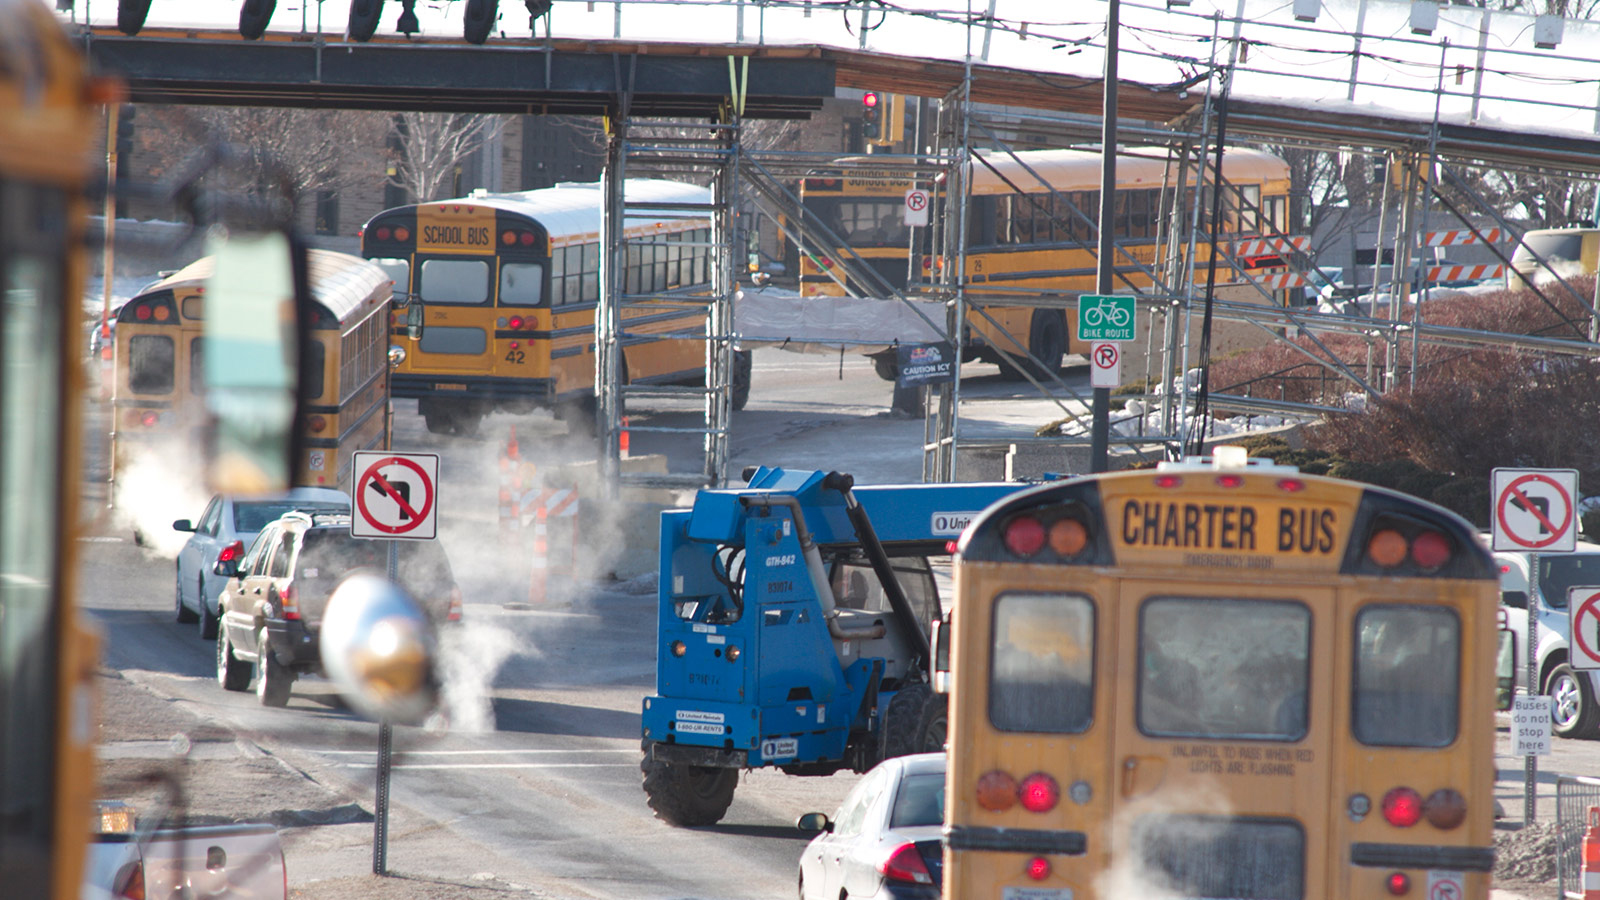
[(403, 506), (1533, 510)]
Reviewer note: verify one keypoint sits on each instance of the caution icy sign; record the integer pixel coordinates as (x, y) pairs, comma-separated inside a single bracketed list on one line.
[(1535, 509), (396, 496)]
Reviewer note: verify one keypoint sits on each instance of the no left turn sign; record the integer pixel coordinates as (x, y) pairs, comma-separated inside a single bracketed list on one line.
[(1535, 509), (1583, 605), (396, 496)]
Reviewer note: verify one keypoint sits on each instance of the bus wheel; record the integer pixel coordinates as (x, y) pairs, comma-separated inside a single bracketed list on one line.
[(743, 371), (915, 722), (1572, 711), (479, 20), (1047, 339), (364, 15), (688, 796)]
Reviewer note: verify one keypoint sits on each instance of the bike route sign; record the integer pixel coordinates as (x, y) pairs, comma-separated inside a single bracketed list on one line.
[(1105, 318)]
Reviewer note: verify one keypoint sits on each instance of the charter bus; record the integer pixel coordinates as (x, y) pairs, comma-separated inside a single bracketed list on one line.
[(1220, 678), (157, 393), (1031, 241), (49, 119), (503, 289)]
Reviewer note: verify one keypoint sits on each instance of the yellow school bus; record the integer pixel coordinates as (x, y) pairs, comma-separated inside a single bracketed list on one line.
[(157, 395), (49, 118), (503, 288), (1027, 232), (1219, 678)]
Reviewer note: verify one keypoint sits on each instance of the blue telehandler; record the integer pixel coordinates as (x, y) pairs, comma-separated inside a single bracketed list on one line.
[(793, 631)]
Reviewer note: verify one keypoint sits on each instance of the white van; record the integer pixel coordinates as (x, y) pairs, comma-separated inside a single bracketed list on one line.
[(1576, 711)]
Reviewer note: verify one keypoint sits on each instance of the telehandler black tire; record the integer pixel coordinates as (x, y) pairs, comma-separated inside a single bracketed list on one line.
[(915, 722), (688, 796)]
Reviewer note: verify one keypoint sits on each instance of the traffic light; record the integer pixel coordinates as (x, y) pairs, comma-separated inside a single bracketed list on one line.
[(125, 130), (871, 115)]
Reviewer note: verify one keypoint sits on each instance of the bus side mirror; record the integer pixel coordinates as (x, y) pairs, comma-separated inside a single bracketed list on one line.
[(939, 644), (414, 321), (251, 361), (1505, 671)]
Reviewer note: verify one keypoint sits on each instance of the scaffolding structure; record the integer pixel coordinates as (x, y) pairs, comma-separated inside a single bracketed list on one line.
[(1167, 290)]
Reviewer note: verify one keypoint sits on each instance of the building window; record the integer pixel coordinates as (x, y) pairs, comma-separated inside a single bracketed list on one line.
[(327, 212)]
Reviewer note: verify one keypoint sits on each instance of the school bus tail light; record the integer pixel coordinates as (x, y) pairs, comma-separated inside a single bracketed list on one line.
[(1024, 536), (1068, 537), (1430, 550), (1402, 807), (1037, 868), (316, 424), (1039, 792), (1387, 548), (1445, 809), (514, 322), (1398, 883), (905, 864), (997, 791)]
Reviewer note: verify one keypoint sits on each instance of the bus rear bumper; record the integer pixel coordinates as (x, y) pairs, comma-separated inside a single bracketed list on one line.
[(539, 391)]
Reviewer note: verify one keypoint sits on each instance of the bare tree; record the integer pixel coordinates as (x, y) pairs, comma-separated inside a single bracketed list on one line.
[(313, 150), (432, 144)]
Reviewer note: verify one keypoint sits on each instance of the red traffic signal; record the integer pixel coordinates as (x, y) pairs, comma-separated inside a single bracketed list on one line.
[(869, 115)]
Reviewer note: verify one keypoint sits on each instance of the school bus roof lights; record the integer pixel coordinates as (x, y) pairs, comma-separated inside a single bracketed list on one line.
[(1427, 549)]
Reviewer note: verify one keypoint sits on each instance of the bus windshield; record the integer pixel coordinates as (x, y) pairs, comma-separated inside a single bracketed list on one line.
[(863, 221)]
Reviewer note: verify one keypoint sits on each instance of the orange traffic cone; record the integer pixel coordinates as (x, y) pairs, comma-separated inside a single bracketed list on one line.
[(622, 439), (510, 487), (1591, 856)]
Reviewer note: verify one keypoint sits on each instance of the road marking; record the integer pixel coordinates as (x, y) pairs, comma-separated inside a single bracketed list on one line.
[(498, 766), (475, 752)]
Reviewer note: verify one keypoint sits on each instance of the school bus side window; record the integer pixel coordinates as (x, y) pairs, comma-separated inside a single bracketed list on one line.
[(464, 282), (1407, 676), (1041, 674), (1216, 667), (151, 363)]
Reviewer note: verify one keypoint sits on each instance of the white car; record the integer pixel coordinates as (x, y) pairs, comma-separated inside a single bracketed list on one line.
[(223, 531), (1576, 710), (883, 843)]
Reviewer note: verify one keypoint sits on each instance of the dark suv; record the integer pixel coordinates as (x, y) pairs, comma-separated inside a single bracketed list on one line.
[(272, 604)]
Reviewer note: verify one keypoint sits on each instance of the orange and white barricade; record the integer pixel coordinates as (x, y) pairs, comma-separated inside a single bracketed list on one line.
[(1591, 856), (542, 506)]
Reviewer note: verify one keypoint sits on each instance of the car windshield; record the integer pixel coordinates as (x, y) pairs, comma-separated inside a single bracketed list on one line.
[(1559, 574), (920, 801), (255, 514)]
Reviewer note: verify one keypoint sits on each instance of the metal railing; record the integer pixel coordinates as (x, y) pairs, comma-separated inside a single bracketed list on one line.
[(1574, 795)]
